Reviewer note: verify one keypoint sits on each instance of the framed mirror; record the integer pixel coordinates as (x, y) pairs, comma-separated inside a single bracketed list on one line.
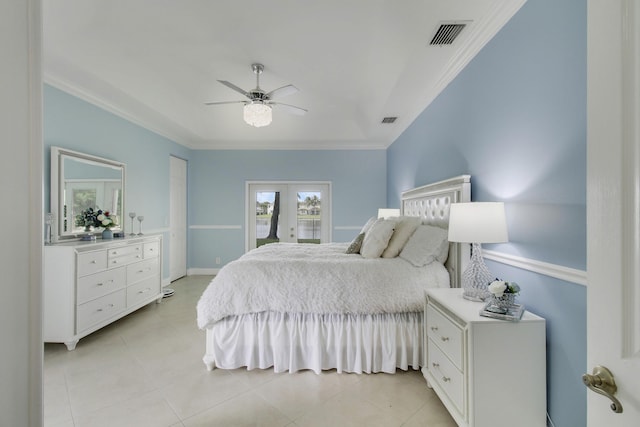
[(81, 181)]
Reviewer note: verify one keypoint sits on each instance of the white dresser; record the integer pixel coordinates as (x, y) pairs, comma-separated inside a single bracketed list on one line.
[(88, 285), (487, 372)]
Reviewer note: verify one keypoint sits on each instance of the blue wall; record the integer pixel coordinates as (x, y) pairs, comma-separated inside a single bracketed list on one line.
[(77, 125), (216, 179), (217, 192), (515, 119)]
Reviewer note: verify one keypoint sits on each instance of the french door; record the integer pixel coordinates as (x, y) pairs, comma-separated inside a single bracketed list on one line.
[(294, 212)]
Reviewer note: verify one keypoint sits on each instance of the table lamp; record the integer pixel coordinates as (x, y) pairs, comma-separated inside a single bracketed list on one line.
[(477, 223), (388, 213)]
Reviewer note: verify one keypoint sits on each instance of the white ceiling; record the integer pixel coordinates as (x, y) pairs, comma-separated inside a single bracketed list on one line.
[(155, 62)]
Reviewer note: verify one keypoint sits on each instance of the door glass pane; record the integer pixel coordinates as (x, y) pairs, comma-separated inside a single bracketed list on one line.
[(308, 216), (267, 217)]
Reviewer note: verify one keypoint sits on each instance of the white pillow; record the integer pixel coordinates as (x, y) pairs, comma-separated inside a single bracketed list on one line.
[(426, 244), (377, 238), (405, 227), (368, 224)]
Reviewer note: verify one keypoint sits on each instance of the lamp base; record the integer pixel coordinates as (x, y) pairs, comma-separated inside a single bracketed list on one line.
[(476, 278)]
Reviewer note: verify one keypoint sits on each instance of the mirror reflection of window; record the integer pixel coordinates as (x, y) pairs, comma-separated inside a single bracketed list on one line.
[(81, 200)]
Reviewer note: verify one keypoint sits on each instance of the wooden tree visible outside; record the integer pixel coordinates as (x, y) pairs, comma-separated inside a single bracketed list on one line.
[(273, 230)]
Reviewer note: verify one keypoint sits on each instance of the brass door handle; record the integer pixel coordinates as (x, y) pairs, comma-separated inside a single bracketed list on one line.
[(602, 382)]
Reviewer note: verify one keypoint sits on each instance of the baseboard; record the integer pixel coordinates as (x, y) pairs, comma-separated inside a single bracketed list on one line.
[(202, 271), (552, 270)]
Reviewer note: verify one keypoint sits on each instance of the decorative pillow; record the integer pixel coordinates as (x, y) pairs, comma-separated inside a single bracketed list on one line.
[(356, 244), (426, 244), (376, 239), (405, 226), (368, 224)]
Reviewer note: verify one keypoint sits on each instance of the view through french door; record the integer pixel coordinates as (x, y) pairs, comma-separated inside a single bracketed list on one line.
[(295, 212)]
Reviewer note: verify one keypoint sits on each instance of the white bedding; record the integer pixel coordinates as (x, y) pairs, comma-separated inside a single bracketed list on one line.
[(318, 279)]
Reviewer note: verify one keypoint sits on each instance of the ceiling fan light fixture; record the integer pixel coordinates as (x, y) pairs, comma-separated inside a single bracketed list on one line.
[(257, 114)]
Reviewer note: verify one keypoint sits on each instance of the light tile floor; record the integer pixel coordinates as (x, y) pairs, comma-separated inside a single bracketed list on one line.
[(146, 370)]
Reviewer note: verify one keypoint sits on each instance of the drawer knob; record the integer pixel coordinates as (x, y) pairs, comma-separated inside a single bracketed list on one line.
[(108, 306), (93, 261), (434, 328), (144, 291), (446, 379), (444, 338), (435, 365), (99, 284)]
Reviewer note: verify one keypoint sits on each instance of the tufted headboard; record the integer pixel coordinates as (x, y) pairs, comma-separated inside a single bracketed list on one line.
[(431, 203)]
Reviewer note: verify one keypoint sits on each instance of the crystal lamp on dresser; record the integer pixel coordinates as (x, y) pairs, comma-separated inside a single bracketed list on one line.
[(487, 372), (88, 285)]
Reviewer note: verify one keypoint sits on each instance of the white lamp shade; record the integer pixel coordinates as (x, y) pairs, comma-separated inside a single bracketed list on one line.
[(388, 213), (478, 222), (257, 114)]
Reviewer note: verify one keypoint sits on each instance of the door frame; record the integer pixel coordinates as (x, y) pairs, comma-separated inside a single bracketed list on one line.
[(185, 207), (613, 205), (326, 207)]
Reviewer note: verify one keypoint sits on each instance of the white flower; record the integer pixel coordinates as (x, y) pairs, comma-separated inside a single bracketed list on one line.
[(497, 288), (106, 221)]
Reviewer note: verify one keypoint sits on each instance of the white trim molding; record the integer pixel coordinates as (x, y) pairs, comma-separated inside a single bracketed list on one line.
[(202, 271), (552, 270), (215, 227)]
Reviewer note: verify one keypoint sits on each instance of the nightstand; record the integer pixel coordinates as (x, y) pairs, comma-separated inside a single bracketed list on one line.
[(487, 372)]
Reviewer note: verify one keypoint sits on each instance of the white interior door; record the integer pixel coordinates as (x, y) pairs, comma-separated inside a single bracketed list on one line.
[(613, 207), (302, 209), (178, 218)]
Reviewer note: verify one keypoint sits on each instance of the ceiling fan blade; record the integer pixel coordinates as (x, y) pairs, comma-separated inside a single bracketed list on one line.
[(282, 91), (234, 87), (225, 102), (291, 109)]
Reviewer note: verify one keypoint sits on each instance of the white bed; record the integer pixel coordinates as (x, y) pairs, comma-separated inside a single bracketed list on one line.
[(296, 306)]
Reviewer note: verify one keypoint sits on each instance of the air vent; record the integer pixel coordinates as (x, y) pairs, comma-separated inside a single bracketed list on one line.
[(389, 120), (447, 33)]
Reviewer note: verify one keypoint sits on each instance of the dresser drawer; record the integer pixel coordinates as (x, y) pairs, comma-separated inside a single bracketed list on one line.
[(446, 334), (91, 262), (124, 255), (96, 285), (142, 270), (143, 290), (449, 378), (98, 310), (125, 250), (151, 250)]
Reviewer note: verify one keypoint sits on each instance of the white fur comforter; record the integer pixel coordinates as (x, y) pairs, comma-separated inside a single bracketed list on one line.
[(311, 278)]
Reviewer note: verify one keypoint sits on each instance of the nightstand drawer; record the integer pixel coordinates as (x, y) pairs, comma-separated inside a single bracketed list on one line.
[(446, 334), (449, 378)]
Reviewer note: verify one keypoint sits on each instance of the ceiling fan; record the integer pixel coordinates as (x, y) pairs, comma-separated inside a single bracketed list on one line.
[(257, 107)]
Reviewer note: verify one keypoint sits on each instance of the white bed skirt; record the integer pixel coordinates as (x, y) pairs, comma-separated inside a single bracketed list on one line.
[(292, 342)]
